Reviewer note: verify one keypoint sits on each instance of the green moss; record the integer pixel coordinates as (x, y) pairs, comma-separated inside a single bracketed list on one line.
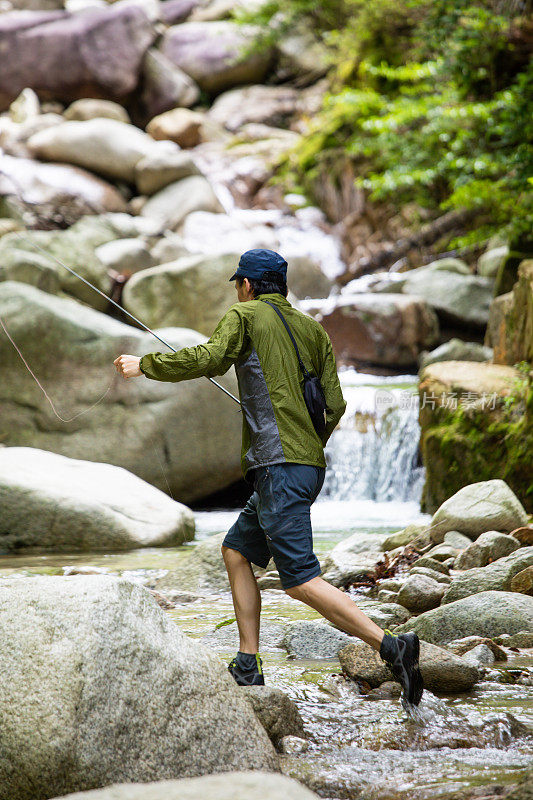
[(467, 445)]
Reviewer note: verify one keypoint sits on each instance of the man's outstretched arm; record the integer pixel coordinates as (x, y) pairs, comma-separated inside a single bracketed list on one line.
[(214, 357)]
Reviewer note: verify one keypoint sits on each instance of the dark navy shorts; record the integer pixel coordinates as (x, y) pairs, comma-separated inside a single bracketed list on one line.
[(276, 521)]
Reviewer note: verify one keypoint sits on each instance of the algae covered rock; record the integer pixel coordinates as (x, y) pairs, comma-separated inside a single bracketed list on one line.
[(487, 614)]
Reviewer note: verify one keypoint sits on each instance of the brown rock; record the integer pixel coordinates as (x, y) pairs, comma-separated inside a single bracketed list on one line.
[(384, 329), (524, 535), (180, 125), (523, 581), (276, 712), (462, 646), (510, 327)]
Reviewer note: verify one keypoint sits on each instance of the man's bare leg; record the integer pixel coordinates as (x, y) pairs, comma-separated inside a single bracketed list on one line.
[(339, 609), (246, 598)]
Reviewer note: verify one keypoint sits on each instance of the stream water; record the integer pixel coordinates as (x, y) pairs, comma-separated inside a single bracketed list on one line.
[(359, 746)]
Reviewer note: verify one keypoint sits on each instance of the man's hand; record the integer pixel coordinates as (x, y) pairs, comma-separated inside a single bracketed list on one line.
[(127, 366)]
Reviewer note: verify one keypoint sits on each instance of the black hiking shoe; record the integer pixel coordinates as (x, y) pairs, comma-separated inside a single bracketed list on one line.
[(247, 672), (401, 654)]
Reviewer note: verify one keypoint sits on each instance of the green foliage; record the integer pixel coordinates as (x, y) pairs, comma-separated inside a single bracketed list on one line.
[(432, 100)]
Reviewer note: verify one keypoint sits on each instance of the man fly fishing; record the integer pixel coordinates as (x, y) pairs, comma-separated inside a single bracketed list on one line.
[(275, 348)]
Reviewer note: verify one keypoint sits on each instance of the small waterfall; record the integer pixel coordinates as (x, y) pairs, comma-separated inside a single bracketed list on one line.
[(374, 453)]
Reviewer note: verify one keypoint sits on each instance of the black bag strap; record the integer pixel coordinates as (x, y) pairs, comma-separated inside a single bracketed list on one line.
[(282, 318)]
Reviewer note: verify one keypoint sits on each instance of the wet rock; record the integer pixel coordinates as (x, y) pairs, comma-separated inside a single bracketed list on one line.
[(106, 660), (382, 329), (480, 656), (158, 170), (478, 507), (522, 639), (56, 38), (489, 546), (430, 573), (403, 537), (226, 637), (224, 786), (171, 205), (496, 576), (442, 671), (486, 614), (455, 350), (105, 146), (276, 712), (167, 295), (387, 691), (61, 504), (210, 53), (180, 125), (164, 85), (130, 429), (271, 105), (523, 581), (352, 558), (309, 639), (462, 646), (292, 745), (90, 108), (420, 593)]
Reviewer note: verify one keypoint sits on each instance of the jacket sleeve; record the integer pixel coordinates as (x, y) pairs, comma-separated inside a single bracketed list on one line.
[(214, 357), (335, 402)]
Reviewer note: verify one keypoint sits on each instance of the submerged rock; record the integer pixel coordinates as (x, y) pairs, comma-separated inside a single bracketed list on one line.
[(61, 504), (496, 576), (442, 671), (115, 690), (487, 614)]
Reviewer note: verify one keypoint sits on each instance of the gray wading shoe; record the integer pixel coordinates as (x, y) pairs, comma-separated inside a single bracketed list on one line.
[(247, 669), (401, 654)]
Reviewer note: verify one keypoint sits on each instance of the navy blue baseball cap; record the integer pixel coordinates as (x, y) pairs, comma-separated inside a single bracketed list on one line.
[(254, 264)]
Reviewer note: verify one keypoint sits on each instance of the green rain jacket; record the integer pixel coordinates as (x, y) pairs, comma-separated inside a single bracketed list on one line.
[(276, 426)]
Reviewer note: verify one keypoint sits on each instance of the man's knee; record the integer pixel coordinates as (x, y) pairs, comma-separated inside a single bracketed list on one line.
[(300, 592)]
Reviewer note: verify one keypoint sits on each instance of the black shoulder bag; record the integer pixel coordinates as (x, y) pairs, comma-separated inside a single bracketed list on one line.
[(312, 389)]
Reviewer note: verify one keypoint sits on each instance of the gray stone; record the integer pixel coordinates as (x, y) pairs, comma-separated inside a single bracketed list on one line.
[(386, 615), (125, 255), (89, 108), (480, 656), (442, 552), (432, 563), (203, 570), (107, 664), (523, 581), (496, 576), (225, 786), (462, 646), (390, 584), (276, 712), (171, 205), (306, 278), (490, 261), (487, 614), (403, 537), (61, 504), (167, 295), (457, 540), (456, 350), (522, 639), (352, 557), (442, 671), (158, 170), (141, 426), (489, 546), (308, 639), (226, 637), (430, 573), (386, 596), (476, 508), (420, 593), (292, 745), (272, 105), (459, 299), (164, 85)]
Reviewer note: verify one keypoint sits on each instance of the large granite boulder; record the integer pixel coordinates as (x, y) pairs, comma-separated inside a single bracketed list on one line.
[(384, 329), (441, 670), (192, 292), (171, 205), (314, 639), (510, 326), (490, 546), (496, 576), (61, 504), (214, 54), (105, 146), (486, 614), (477, 508), (476, 424), (229, 786), (108, 689), (103, 49), (184, 436)]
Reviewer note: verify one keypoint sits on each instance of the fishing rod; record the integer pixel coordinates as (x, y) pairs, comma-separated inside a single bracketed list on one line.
[(120, 308)]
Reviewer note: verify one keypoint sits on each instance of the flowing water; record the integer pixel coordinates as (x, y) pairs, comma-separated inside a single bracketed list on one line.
[(360, 746)]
